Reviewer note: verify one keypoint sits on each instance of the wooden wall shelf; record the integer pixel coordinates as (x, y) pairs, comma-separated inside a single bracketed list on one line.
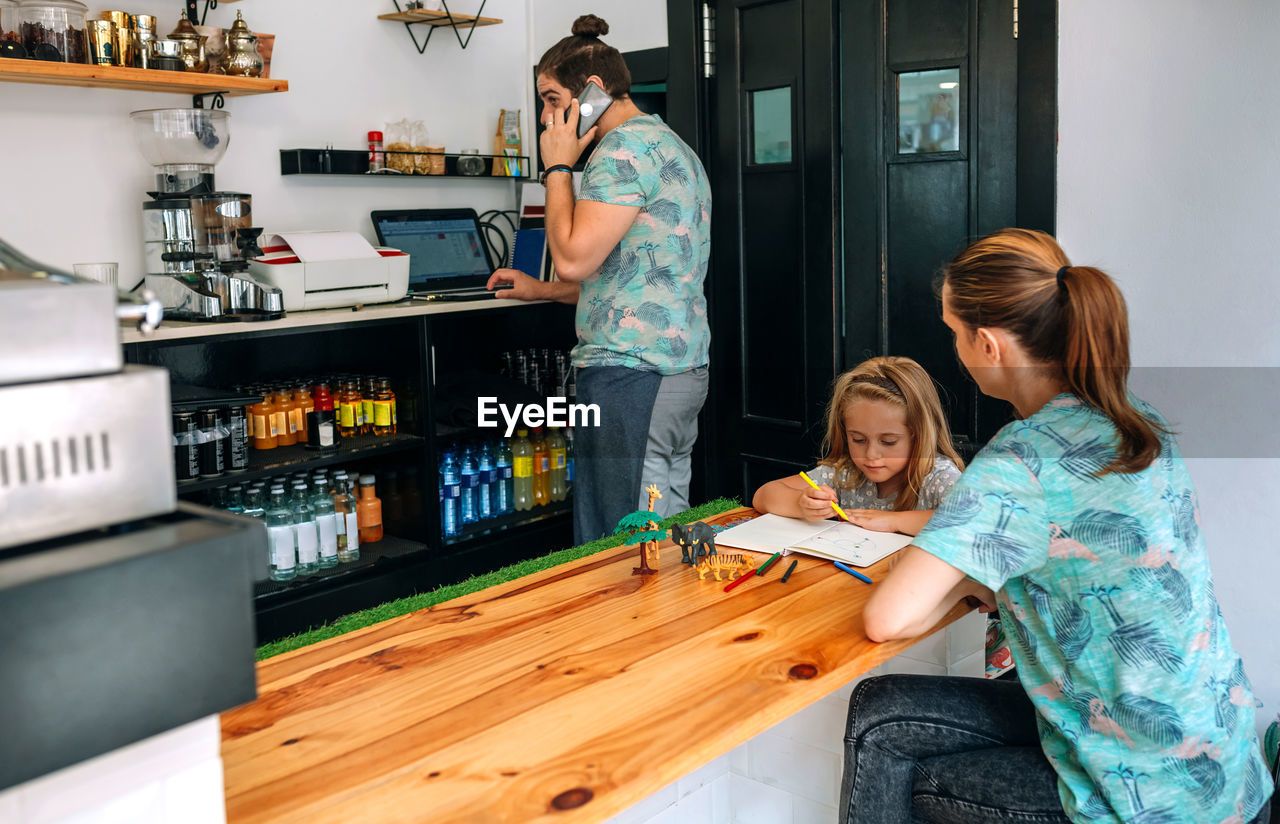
[(437, 17), (150, 80)]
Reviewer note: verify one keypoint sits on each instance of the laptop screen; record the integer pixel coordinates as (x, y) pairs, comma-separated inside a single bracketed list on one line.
[(445, 249)]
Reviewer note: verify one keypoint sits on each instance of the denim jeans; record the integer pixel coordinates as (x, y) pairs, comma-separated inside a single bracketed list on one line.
[(673, 429), (608, 459), (931, 750)]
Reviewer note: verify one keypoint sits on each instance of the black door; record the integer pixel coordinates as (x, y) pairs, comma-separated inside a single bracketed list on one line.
[(946, 136), (773, 293)]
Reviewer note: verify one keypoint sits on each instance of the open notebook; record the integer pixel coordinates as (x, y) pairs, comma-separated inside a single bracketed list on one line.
[(833, 540)]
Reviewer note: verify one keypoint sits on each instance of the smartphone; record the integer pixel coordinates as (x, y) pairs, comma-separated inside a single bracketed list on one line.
[(591, 104)]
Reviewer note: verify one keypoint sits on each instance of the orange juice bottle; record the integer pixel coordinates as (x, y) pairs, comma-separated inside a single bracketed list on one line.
[(383, 398), (366, 405), (303, 404), (368, 512), (288, 425), (541, 468), (262, 417)]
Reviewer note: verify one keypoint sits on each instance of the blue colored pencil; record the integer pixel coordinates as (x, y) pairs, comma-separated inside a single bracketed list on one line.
[(854, 573)]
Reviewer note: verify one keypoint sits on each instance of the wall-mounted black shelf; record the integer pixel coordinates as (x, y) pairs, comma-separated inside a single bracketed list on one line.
[(356, 162), (282, 459)]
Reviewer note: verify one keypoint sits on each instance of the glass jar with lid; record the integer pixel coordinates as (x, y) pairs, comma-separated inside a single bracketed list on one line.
[(9, 40), (470, 162), (53, 30)]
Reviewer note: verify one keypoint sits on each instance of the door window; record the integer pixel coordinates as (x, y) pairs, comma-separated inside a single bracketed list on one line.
[(929, 111), (771, 125)]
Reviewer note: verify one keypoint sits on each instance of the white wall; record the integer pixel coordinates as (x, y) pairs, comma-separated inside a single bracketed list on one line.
[(633, 24), (1168, 173), (75, 181)]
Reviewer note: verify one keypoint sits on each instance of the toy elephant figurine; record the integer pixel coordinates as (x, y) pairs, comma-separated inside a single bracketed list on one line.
[(695, 540)]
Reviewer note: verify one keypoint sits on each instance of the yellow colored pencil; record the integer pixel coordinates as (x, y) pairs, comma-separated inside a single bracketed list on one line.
[(834, 505)]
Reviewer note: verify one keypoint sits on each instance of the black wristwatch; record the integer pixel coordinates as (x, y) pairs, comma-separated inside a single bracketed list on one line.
[(559, 167)]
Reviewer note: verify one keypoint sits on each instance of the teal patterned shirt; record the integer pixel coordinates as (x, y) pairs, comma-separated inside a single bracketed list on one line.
[(1105, 592), (644, 308)]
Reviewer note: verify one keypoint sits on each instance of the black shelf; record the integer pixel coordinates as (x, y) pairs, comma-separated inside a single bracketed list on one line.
[(291, 458), (370, 555), (514, 520), (356, 162), (184, 397)]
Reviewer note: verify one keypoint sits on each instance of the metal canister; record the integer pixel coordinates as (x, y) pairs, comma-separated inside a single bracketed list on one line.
[(236, 423), (185, 462), (102, 42), (212, 442), (123, 53), (144, 31)]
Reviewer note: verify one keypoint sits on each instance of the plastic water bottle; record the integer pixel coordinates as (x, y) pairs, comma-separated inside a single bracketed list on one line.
[(452, 482), (283, 543), (485, 496), (568, 460), (470, 487), (504, 500), (522, 466), (326, 521), (304, 526), (556, 449)]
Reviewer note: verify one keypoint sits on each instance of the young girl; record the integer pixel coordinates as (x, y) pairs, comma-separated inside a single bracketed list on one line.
[(1080, 521), (889, 458)]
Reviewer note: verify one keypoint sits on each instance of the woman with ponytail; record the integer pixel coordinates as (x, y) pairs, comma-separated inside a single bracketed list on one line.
[(1079, 524), (631, 250)]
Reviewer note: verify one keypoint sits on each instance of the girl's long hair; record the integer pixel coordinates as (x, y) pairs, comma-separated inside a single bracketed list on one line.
[(904, 383), (575, 58), (1076, 321)]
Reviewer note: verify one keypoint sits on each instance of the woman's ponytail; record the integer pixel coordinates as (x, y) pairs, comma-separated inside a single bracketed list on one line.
[(1020, 280)]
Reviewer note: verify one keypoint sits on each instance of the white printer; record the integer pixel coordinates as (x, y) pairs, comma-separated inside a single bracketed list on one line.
[(325, 270)]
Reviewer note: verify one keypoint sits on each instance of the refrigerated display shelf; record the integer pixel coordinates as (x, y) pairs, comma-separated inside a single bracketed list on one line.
[(370, 554)]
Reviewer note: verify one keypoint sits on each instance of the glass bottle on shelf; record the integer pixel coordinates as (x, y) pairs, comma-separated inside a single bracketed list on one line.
[(484, 492), (304, 524), (235, 499), (322, 423), (383, 397), (348, 409), (541, 468), (253, 503), (504, 498), (344, 504), (568, 460), (470, 487), (522, 469), (303, 407), (263, 417), (285, 420), (369, 511), (366, 405), (326, 521), (451, 487), (282, 540), (556, 450)]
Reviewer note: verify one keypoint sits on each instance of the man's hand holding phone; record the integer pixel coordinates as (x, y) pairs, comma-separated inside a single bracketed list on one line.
[(559, 143)]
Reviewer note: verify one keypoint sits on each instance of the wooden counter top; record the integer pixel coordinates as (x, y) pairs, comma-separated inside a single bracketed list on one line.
[(564, 696), (178, 330)]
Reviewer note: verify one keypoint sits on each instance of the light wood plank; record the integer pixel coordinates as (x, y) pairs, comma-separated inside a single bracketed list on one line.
[(432, 17), (582, 680), (120, 77)]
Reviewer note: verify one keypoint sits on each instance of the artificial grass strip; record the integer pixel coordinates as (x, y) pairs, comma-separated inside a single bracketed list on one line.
[(403, 606)]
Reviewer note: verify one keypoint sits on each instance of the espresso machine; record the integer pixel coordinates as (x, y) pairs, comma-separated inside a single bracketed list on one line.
[(197, 240)]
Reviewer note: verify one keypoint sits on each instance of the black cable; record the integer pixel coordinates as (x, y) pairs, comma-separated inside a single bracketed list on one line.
[(489, 231)]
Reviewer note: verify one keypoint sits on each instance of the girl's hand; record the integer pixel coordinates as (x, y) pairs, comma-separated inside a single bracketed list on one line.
[(815, 504), (559, 143), (874, 519)]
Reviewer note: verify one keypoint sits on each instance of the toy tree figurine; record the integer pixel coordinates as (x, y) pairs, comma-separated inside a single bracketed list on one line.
[(641, 527)]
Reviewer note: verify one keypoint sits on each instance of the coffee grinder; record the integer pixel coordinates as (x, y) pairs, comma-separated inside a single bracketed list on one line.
[(190, 230)]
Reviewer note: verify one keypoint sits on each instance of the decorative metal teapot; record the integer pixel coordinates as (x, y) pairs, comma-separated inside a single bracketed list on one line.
[(192, 41), (242, 58)]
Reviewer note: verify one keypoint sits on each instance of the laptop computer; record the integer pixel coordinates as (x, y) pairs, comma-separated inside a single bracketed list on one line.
[(448, 256)]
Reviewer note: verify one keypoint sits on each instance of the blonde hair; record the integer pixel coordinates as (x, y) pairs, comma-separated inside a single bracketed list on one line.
[(904, 383), (1070, 317)]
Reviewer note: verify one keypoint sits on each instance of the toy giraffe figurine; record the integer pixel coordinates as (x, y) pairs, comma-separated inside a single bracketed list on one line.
[(649, 549)]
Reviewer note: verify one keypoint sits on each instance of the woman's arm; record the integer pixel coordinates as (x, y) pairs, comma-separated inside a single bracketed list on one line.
[(914, 596), (909, 522), (794, 498)]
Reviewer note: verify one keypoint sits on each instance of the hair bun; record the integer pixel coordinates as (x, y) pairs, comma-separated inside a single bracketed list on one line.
[(588, 25)]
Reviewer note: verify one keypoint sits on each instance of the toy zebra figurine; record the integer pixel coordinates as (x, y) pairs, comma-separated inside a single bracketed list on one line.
[(735, 565)]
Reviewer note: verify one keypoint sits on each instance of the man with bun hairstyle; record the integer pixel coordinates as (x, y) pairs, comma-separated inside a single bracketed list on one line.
[(631, 251)]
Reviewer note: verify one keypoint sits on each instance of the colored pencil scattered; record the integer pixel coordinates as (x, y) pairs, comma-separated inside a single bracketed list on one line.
[(765, 566), (854, 573), (790, 570), (733, 584)]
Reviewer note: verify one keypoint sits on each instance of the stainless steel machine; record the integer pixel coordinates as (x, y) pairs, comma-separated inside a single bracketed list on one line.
[(190, 230)]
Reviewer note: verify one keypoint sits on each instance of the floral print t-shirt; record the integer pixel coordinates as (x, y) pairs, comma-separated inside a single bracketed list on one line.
[(864, 496), (1104, 590), (644, 308)]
